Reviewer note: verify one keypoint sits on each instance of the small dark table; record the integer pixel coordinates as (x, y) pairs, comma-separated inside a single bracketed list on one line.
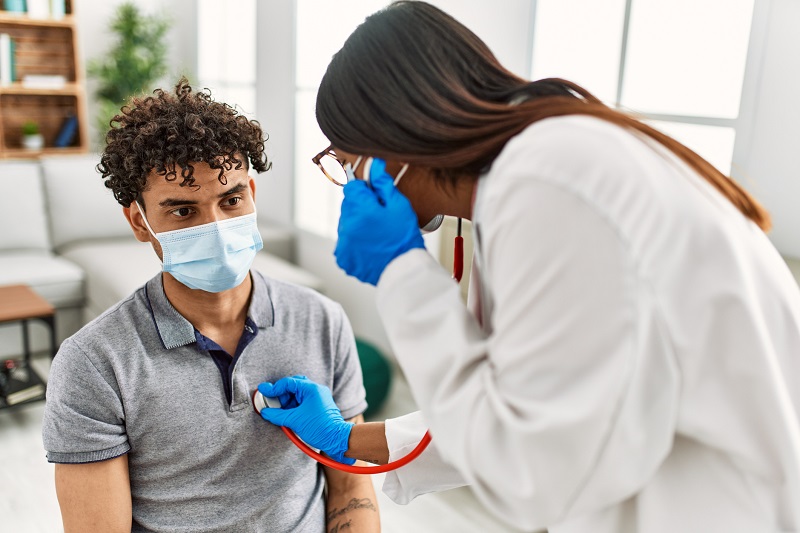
[(19, 303)]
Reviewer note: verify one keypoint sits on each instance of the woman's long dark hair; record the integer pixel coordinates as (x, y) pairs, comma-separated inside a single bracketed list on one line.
[(412, 84)]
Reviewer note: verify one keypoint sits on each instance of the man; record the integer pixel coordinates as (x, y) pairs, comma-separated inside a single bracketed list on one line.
[(149, 417)]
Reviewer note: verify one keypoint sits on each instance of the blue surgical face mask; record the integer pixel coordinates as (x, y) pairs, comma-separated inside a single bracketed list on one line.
[(432, 225), (212, 257)]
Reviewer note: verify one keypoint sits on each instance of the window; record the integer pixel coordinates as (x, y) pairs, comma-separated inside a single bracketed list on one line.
[(680, 64), (226, 52)]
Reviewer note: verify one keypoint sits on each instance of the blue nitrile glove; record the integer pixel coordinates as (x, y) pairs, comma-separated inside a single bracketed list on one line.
[(376, 226), (315, 419)]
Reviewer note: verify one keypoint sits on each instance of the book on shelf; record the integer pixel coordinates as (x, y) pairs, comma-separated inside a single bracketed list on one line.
[(58, 8), (38, 9), (8, 66), (66, 135), (14, 6), (43, 81)]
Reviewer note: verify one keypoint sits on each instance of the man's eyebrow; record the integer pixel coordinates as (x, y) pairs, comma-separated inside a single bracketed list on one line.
[(174, 202), (233, 190)]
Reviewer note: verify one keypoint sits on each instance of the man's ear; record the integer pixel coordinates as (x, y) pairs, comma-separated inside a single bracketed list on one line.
[(134, 218), (252, 184)]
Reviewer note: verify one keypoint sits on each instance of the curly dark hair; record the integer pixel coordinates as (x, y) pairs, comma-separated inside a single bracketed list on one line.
[(168, 131)]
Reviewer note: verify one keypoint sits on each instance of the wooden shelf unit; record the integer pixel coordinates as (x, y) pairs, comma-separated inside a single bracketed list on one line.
[(43, 47)]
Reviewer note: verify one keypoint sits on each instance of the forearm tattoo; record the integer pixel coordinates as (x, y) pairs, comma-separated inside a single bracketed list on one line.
[(340, 527), (336, 513)]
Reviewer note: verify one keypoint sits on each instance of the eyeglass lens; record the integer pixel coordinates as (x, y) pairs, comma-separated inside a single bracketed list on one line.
[(333, 169)]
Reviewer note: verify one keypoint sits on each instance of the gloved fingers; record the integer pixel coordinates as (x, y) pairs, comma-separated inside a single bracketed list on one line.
[(357, 192), (276, 416), (287, 400), (382, 183), (287, 385), (265, 389)]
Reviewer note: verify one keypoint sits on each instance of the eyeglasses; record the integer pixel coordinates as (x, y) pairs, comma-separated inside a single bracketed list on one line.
[(330, 165)]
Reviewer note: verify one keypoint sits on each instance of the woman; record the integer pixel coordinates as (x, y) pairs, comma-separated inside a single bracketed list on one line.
[(631, 361)]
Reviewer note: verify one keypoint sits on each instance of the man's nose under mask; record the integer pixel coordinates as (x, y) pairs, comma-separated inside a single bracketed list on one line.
[(212, 257)]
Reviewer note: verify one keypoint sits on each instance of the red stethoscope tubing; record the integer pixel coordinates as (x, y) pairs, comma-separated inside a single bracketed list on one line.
[(458, 255), (352, 469), (458, 271)]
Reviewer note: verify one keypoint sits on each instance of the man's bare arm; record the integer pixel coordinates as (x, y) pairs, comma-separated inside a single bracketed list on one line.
[(351, 506), (95, 496)]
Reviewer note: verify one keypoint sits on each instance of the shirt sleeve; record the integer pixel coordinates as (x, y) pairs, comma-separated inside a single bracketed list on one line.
[(427, 473), (348, 381), (555, 410), (84, 419)]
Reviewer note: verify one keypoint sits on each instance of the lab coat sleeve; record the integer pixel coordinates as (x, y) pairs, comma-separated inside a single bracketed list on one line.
[(429, 471), (552, 413)]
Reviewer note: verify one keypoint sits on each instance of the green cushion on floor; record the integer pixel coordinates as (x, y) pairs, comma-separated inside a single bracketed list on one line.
[(377, 375)]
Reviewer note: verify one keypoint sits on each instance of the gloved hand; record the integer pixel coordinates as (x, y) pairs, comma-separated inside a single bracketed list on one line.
[(308, 409), (376, 225)]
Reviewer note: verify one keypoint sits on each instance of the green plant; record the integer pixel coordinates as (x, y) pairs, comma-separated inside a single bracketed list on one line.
[(30, 128), (135, 62)]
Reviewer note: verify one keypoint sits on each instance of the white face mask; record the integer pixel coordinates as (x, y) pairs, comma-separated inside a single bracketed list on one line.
[(432, 225), (212, 257)]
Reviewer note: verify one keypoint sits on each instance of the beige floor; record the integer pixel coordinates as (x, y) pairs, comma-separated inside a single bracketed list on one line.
[(28, 502)]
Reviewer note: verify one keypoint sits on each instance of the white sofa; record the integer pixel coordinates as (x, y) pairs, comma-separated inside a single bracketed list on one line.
[(62, 233)]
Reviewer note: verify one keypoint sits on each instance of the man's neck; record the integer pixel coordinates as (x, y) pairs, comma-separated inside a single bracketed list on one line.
[(210, 312)]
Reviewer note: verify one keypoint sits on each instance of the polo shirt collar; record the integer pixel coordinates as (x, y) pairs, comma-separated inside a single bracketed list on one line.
[(261, 309), (176, 331)]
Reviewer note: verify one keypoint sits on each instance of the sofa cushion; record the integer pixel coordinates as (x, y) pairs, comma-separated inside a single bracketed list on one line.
[(22, 208), (79, 204), (116, 268), (276, 268), (57, 280)]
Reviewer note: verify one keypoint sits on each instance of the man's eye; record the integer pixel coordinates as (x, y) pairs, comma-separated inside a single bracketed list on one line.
[(234, 200), (182, 212)]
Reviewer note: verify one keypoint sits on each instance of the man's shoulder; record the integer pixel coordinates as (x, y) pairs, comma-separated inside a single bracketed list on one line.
[(120, 321)]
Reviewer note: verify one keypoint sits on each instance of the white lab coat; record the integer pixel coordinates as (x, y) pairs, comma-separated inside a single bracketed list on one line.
[(636, 363)]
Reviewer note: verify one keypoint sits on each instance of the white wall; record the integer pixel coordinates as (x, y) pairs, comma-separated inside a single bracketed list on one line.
[(765, 156), (275, 107), (94, 38)]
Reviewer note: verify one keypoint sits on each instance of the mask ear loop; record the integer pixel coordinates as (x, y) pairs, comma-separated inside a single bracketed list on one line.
[(367, 170), (146, 223), (400, 174), (350, 169)]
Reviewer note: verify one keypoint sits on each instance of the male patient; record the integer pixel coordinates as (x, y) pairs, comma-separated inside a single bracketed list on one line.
[(148, 416)]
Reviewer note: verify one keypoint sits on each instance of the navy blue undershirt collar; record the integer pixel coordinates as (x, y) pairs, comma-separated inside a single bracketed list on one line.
[(223, 359), (174, 330)]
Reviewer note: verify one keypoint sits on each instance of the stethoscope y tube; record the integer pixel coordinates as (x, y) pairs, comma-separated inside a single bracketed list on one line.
[(458, 271)]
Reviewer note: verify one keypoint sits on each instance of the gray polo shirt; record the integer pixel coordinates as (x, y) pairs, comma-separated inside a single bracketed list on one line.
[(136, 381)]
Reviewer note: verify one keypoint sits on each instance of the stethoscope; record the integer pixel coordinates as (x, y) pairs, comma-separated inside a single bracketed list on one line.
[(260, 401)]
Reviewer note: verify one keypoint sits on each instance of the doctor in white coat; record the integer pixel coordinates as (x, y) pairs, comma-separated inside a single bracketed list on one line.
[(630, 356)]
